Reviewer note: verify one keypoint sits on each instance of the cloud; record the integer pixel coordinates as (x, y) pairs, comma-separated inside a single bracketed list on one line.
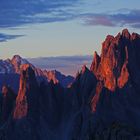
[(5, 37), (14, 13), (130, 18), (65, 64)]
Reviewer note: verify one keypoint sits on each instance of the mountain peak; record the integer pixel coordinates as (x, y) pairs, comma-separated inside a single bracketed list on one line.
[(109, 37), (51, 75), (84, 68), (135, 36), (112, 65), (17, 57), (95, 62), (125, 33), (17, 61)]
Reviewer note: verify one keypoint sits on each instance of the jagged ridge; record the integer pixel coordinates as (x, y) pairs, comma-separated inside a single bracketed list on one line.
[(101, 103), (13, 67), (112, 65)]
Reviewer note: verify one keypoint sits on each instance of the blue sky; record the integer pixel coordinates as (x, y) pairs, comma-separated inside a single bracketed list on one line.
[(44, 28)]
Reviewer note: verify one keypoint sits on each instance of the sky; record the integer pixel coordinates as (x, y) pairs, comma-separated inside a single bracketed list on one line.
[(68, 65), (55, 28)]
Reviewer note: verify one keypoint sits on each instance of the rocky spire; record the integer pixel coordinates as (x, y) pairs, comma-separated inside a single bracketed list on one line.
[(126, 34), (17, 61), (111, 66), (83, 70), (27, 94), (51, 75), (95, 63)]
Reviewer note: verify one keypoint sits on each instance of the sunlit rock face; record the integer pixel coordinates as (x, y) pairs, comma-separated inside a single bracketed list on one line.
[(116, 58), (17, 61), (117, 96), (27, 98), (51, 75), (118, 65)]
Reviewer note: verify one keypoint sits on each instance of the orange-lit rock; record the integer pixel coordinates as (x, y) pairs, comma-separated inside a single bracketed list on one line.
[(95, 63), (111, 66), (51, 76), (21, 101), (95, 99), (27, 89)]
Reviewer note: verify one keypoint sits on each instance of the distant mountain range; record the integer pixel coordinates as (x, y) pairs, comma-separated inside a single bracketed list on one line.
[(102, 103), (10, 72)]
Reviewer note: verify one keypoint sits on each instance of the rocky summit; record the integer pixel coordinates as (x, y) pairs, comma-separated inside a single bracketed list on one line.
[(113, 65), (102, 103)]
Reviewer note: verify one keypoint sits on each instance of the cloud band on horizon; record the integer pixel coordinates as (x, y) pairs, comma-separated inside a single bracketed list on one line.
[(131, 18)]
